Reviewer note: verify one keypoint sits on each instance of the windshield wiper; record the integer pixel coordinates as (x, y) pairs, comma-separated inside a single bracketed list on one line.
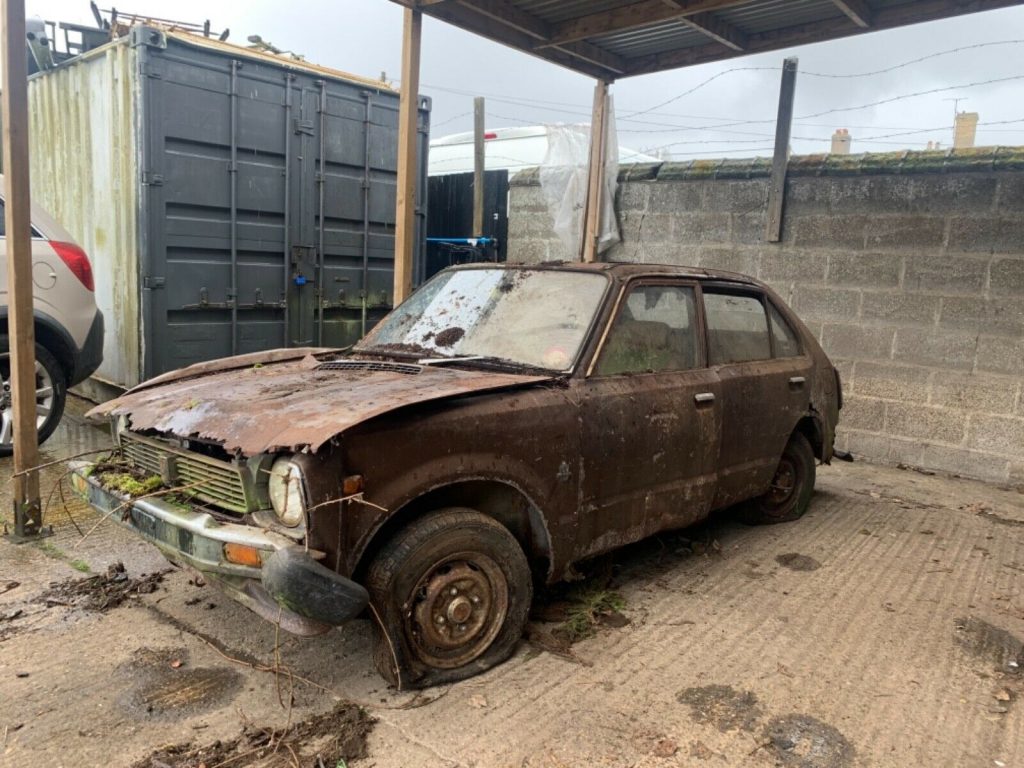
[(485, 361)]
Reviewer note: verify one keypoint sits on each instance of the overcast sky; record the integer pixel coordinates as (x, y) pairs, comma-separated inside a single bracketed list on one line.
[(364, 37)]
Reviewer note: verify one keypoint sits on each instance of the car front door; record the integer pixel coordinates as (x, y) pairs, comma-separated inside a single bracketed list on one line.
[(765, 382), (650, 420)]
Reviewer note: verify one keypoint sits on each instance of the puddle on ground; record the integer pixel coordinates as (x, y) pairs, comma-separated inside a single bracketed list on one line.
[(722, 706), (165, 684), (797, 562), (802, 741), (990, 643)]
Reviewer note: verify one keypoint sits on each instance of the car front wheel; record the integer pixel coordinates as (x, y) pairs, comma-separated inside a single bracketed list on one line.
[(50, 395), (791, 488), (452, 592)]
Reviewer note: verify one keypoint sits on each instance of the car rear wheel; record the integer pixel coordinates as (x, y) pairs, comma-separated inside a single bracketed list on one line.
[(50, 396), (791, 488), (452, 592)]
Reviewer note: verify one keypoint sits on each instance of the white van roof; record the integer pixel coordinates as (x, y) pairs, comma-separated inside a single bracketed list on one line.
[(509, 149)]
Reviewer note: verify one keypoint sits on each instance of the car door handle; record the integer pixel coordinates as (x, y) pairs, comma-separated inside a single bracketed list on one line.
[(704, 397), (797, 381)]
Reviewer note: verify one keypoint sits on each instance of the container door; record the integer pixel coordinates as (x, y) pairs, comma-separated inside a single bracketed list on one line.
[(268, 205)]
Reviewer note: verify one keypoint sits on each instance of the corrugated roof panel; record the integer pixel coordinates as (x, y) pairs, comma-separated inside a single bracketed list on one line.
[(667, 36), (556, 11), (778, 14)]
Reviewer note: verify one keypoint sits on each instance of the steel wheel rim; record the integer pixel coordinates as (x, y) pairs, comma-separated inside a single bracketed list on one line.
[(44, 399), (456, 609), (783, 485)]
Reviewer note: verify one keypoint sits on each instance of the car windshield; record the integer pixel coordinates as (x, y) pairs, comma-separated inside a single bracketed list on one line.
[(533, 317)]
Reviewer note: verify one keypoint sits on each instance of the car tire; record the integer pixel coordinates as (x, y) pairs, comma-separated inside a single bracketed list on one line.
[(451, 593), (49, 376), (792, 486)]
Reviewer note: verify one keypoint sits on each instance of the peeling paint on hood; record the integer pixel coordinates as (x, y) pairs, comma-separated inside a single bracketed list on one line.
[(291, 405)]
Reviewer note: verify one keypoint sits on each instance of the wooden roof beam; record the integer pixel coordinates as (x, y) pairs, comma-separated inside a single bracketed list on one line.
[(633, 16), (857, 10), (710, 25), (504, 14)]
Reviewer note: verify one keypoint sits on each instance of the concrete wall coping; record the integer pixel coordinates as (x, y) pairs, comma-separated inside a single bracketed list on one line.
[(905, 162)]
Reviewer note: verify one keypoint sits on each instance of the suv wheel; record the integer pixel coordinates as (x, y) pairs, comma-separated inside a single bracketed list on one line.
[(791, 488), (51, 393), (452, 591)]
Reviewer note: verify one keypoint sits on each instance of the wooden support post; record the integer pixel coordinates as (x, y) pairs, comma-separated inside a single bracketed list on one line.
[(783, 126), (21, 334), (595, 173), (478, 166), (408, 120)]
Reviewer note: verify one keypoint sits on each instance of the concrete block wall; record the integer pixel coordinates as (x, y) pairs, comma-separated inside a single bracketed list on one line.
[(909, 268)]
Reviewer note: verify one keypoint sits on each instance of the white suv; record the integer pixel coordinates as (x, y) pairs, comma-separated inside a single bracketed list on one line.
[(68, 326)]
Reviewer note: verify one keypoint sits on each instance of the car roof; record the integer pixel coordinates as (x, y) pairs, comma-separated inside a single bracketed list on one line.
[(625, 270)]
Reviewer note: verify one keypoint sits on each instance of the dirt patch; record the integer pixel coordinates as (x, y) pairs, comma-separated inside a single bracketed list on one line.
[(990, 644), (722, 706), (101, 592), (164, 684), (333, 738), (449, 336), (797, 562), (568, 613), (802, 741)]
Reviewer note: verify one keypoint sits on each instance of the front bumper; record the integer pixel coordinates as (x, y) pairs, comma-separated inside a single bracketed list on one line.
[(289, 588)]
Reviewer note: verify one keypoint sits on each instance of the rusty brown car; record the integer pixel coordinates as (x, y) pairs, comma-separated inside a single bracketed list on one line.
[(502, 424)]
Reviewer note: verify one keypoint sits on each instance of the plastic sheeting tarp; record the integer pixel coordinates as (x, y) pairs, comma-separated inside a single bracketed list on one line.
[(563, 181)]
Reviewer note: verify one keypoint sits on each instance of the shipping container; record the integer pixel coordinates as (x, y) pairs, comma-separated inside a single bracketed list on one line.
[(231, 200)]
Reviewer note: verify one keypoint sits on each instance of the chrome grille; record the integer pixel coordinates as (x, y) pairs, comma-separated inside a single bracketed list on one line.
[(211, 480)]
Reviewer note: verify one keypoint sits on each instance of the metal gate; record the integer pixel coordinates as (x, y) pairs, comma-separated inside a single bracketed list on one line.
[(268, 204)]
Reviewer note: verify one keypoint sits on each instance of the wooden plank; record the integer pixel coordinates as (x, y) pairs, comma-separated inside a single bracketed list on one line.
[(595, 173), (857, 10), (20, 330), (710, 25), (783, 126), (816, 32), (408, 120), (478, 166), (633, 16)]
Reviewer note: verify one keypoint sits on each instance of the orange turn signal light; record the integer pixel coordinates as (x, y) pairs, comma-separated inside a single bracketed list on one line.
[(242, 554), (352, 485)]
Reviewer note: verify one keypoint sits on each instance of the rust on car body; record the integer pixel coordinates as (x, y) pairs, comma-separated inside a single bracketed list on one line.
[(604, 404)]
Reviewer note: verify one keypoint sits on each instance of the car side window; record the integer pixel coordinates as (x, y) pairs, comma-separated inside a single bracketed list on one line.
[(737, 328), (656, 330), (786, 343)]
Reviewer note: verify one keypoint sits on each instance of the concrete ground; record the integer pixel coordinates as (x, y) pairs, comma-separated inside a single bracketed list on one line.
[(882, 629)]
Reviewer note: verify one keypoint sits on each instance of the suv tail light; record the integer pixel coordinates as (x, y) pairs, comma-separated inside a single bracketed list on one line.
[(77, 262)]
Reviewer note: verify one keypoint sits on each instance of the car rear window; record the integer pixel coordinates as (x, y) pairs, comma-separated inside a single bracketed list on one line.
[(737, 328)]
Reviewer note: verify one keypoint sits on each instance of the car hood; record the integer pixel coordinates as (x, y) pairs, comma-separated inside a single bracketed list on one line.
[(292, 405)]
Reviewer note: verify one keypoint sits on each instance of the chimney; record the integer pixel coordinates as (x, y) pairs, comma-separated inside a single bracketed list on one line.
[(965, 127), (841, 142)]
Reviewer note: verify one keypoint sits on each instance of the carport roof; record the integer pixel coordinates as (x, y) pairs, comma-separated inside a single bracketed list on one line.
[(611, 39)]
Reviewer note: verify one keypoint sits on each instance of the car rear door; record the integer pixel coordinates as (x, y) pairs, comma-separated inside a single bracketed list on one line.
[(764, 377), (650, 420)]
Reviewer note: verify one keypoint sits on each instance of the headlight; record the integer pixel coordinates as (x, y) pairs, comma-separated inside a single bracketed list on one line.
[(285, 490)]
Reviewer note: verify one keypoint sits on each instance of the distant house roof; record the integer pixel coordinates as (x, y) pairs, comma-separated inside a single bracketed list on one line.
[(511, 149), (611, 39)]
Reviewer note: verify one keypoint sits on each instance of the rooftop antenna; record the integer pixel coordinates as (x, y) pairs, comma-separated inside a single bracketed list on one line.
[(956, 101)]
